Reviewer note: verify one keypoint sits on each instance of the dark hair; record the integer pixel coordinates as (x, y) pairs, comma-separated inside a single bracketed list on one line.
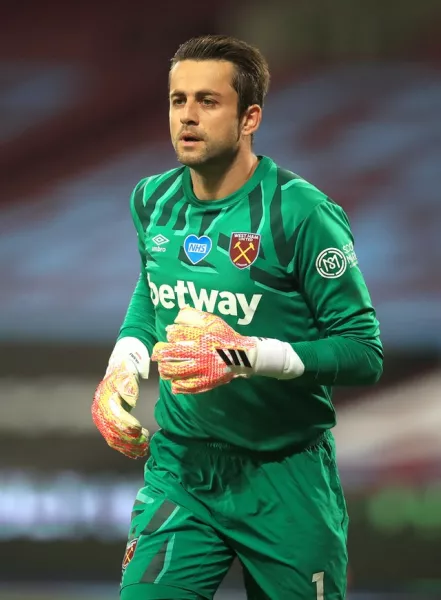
[(251, 78)]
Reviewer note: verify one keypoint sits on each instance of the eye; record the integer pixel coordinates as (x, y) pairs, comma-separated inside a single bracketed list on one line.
[(208, 102), (178, 101)]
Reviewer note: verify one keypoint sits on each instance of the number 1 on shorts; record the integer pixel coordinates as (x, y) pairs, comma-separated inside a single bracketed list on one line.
[(318, 579)]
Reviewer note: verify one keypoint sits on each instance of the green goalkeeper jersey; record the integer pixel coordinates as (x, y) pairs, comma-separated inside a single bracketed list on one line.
[(274, 259)]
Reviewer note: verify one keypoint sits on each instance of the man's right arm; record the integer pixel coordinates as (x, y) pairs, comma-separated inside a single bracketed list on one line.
[(140, 319), (118, 392)]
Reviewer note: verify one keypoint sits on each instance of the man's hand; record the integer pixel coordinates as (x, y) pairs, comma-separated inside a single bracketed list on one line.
[(203, 352), (114, 398)]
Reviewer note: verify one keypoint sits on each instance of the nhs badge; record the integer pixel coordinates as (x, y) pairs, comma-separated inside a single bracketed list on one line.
[(197, 248)]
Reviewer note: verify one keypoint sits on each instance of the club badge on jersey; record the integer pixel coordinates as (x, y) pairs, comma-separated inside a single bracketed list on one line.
[(244, 249), (130, 551)]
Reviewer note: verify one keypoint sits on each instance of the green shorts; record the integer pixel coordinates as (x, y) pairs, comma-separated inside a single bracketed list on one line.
[(283, 516)]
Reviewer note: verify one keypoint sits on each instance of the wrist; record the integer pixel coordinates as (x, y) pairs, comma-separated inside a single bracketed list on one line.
[(133, 353), (276, 359)]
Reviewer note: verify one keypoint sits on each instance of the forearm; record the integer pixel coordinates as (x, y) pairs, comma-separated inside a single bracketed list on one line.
[(337, 360), (139, 321), (340, 361)]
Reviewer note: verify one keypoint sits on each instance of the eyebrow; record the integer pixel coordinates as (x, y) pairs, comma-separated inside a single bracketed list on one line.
[(206, 92)]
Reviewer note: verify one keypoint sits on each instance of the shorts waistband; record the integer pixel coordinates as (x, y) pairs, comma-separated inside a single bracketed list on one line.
[(217, 446)]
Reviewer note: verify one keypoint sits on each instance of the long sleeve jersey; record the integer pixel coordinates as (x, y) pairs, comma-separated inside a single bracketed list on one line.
[(274, 259)]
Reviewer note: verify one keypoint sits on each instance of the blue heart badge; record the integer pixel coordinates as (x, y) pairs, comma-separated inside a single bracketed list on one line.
[(197, 248)]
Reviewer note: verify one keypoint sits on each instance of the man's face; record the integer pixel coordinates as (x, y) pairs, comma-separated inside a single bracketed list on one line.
[(204, 121)]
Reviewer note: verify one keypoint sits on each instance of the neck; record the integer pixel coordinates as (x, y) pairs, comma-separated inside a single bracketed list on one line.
[(216, 182)]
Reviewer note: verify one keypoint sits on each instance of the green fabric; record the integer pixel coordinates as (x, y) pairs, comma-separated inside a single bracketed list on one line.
[(350, 351), (294, 278), (139, 322), (284, 517)]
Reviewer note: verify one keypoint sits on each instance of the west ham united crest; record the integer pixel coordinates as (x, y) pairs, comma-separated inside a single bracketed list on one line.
[(130, 551), (244, 249)]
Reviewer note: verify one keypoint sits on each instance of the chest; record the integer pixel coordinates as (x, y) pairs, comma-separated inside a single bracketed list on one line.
[(223, 261)]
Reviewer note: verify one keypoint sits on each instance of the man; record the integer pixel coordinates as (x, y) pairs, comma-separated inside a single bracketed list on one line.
[(252, 303)]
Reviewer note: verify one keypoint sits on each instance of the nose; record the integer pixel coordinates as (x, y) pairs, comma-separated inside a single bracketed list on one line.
[(189, 114)]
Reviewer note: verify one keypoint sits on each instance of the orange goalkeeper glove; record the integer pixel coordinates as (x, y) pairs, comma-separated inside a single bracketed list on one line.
[(117, 395), (204, 352)]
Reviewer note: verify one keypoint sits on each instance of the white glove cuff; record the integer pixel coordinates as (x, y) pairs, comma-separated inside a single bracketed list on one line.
[(133, 352), (277, 359)]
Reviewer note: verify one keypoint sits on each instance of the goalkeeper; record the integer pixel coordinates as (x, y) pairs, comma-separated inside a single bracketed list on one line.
[(252, 303)]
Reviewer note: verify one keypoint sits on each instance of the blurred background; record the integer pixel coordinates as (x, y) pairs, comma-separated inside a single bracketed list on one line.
[(355, 107)]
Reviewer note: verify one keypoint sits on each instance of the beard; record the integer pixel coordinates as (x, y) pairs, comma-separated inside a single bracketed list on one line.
[(205, 154)]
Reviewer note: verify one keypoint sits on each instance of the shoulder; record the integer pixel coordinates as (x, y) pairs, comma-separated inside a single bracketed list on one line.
[(302, 196), (151, 185)]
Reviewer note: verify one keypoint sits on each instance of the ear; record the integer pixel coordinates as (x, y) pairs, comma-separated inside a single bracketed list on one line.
[(251, 120)]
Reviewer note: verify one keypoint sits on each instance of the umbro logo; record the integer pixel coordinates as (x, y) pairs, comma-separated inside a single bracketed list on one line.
[(159, 240)]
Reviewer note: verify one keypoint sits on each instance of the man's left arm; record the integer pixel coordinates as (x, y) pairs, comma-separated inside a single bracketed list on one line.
[(349, 351)]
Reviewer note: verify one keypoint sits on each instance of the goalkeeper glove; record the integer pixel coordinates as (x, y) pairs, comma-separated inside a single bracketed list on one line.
[(117, 395), (203, 352)]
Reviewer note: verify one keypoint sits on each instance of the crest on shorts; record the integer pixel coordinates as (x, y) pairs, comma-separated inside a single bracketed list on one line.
[(130, 551), (244, 249)]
